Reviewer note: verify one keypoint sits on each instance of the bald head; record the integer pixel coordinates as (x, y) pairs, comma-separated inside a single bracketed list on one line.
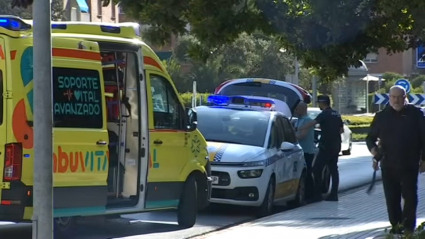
[(397, 97), (397, 90), (301, 109)]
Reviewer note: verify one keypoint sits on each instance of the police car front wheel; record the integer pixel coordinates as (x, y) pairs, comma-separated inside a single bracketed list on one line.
[(266, 207)]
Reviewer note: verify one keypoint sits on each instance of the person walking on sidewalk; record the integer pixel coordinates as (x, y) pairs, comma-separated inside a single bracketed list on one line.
[(331, 126), (400, 129), (306, 140)]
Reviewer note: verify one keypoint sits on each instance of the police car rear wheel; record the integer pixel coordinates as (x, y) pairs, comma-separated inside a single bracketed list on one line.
[(266, 207), (350, 145), (188, 208)]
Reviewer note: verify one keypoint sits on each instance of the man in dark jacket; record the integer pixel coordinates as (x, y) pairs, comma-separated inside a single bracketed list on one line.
[(400, 130)]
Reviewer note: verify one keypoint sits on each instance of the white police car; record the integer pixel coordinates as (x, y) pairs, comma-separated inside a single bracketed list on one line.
[(255, 157)]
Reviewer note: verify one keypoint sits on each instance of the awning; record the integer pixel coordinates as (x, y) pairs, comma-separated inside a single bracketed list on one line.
[(82, 4), (371, 78), (164, 55)]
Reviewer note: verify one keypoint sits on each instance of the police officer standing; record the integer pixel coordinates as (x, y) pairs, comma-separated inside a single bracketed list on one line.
[(331, 126), (400, 128)]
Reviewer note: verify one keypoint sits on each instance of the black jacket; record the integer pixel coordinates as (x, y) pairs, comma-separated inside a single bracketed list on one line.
[(401, 136)]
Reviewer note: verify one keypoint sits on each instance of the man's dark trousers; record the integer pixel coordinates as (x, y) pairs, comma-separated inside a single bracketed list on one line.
[(310, 183), (328, 155), (397, 183)]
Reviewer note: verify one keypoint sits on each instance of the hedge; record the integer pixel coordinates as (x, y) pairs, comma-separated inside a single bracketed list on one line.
[(358, 120), (187, 98)]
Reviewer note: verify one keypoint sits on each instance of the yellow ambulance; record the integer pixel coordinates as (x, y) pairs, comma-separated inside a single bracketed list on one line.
[(123, 142)]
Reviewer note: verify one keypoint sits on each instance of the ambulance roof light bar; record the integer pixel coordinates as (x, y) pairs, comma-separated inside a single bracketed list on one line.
[(13, 23), (223, 100), (103, 28)]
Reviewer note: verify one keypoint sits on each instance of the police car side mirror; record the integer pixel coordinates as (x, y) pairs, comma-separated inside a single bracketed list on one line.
[(286, 146), (192, 119)]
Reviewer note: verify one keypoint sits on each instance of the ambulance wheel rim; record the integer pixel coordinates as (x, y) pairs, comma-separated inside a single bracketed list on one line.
[(63, 222)]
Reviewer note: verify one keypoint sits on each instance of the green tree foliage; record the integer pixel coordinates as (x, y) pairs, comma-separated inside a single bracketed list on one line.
[(248, 56), (418, 81), (391, 78), (327, 35), (22, 10), (6, 9), (58, 11)]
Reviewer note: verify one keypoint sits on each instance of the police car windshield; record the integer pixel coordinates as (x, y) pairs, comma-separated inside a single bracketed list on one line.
[(233, 125)]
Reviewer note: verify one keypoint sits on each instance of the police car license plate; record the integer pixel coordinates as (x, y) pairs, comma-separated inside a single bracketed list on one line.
[(214, 179)]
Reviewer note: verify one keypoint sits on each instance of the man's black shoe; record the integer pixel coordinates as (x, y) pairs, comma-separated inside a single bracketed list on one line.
[(396, 231)]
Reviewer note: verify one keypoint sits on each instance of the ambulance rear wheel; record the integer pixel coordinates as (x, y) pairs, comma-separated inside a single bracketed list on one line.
[(188, 208), (64, 226)]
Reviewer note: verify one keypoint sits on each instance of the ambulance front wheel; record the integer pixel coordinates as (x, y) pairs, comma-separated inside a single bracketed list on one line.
[(188, 205), (64, 226)]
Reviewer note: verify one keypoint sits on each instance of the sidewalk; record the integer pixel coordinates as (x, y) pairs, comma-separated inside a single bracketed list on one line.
[(356, 215)]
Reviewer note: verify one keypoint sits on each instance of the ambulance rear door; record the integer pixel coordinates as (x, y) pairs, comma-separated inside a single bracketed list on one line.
[(3, 185)]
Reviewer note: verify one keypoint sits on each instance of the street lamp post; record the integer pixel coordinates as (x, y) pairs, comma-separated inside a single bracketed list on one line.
[(297, 69), (367, 86), (43, 121), (294, 79)]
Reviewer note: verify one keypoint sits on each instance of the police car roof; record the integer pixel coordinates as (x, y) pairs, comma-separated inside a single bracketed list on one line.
[(280, 106), (236, 108)]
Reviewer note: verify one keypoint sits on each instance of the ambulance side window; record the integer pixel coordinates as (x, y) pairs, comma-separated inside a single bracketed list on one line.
[(77, 98), (1, 98), (167, 110)]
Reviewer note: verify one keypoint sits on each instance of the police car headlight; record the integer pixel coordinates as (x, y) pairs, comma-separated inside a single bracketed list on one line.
[(254, 164), (252, 173)]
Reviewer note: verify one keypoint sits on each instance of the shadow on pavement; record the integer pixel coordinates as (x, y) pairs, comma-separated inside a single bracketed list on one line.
[(377, 233)]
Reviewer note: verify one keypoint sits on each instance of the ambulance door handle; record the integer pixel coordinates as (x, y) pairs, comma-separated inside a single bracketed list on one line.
[(100, 142), (157, 141)]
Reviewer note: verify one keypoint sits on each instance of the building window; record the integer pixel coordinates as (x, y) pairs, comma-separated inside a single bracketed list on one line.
[(371, 58), (99, 8), (120, 11), (113, 15)]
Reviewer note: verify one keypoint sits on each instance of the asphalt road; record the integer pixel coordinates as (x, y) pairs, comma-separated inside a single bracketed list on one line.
[(355, 171)]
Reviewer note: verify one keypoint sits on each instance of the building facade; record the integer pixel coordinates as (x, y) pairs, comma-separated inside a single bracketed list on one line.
[(349, 94), (90, 11)]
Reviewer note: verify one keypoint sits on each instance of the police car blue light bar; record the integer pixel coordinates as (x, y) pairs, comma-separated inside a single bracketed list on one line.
[(13, 23), (218, 100), (222, 100)]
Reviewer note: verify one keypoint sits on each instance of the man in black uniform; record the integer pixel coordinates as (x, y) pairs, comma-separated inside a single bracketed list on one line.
[(401, 133), (329, 146)]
